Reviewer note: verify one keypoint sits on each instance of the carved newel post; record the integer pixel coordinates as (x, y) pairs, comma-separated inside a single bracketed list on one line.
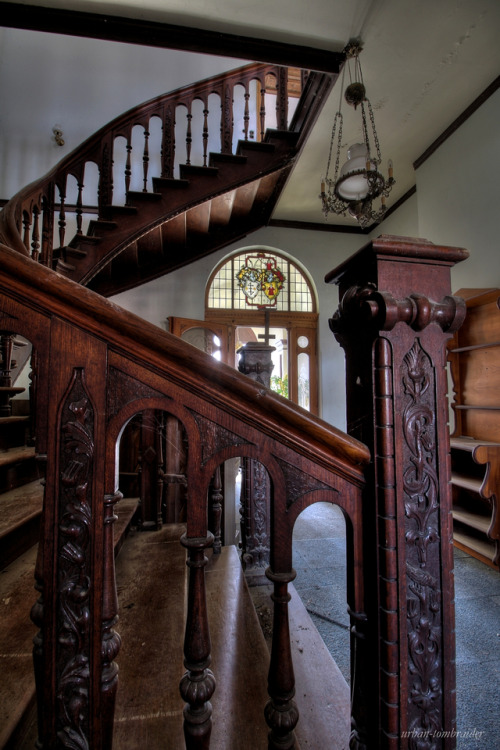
[(394, 318), (256, 362)]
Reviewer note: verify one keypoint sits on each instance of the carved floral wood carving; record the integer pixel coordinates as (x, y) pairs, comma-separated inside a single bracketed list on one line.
[(123, 389), (421, 498), (298, 483), (214, 438), (256, 514), (74, 565)]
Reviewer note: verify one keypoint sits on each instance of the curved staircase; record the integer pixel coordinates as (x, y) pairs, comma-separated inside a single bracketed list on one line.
[(131, 225)]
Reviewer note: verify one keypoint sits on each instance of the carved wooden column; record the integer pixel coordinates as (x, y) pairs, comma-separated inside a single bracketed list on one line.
[(150, 462), (281, 711), (394, 318), (198, 683), (255, 361)]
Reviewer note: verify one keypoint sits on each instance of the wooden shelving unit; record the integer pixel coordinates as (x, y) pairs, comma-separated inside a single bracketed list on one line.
[(474, 356)]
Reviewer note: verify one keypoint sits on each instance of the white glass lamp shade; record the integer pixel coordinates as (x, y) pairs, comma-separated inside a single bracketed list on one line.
[(352, 184)]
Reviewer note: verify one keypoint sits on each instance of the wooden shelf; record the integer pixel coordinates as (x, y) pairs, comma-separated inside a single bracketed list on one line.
[(474, 356), (474, 520)]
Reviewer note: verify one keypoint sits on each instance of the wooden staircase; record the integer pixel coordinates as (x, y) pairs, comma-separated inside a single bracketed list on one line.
[(181, 220), (223, 189)]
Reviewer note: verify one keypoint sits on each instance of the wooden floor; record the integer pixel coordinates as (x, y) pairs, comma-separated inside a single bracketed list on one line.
[(149, 706), (152, 587)]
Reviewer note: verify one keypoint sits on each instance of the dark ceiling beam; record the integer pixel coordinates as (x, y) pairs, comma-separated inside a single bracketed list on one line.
[(168, 36)]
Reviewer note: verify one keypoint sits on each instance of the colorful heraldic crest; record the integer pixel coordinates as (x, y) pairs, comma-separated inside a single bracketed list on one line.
[(260, 280)]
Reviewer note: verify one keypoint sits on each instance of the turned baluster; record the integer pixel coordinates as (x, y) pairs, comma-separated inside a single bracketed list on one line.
[(198, 683), (128, 167), (216, 507), (168, 141), (205, 134), (226, 125), (110, 640), (47, 232), (79, 208), (35, 234), (105, 189), (281, 711), (26, 230), (145, 161), (246, 116), (189, 137), (282, 99), (262, 111), (62, 216)]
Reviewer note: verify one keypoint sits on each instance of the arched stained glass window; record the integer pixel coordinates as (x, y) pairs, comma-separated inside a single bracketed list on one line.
[(256, 279)]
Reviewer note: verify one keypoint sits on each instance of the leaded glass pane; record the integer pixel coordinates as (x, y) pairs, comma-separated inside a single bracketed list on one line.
[(256, 280)]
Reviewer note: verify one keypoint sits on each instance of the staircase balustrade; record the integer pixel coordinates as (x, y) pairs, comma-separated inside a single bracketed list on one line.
[(188, 124), (111, 366)]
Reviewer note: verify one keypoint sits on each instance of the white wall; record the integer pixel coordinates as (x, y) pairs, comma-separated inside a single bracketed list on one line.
[(42, 76), (458, 193)]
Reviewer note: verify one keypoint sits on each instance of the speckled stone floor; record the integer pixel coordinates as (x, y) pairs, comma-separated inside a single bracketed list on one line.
[(319, 559)]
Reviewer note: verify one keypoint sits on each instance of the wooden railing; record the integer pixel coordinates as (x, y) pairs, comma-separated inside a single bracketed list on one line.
[(148, 141), (112, 365)]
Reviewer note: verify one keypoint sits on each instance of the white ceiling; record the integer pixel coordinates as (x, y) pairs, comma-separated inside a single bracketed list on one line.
[(424, 62)]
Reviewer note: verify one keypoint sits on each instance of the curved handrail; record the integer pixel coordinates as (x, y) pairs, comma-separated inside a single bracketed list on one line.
[(32, 218)]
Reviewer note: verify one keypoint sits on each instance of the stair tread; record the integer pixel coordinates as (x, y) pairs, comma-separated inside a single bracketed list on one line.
[(20, 504), (17, 596), (13, 455)]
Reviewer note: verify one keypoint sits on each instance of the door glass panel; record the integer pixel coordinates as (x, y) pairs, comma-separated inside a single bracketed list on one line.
[(204, 339), (304, 380)]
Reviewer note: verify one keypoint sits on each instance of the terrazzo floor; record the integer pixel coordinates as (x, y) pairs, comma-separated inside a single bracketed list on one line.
[(319, 559)]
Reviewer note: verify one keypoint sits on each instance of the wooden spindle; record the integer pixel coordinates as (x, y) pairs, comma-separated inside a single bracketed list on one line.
[(205, 135), (198, 683), (281, 711), (35, 234), (168, 141), (246, 116), (26, 230), (189, 136), (79, 208), (145, 161), (226, 125), (216, 507), (47, 232), (262, 112), (62, 216), (282, 99), (128, 168), (160, 462)]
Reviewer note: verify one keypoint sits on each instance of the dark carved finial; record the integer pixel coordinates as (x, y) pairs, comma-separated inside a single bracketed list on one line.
[(363, 305)]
